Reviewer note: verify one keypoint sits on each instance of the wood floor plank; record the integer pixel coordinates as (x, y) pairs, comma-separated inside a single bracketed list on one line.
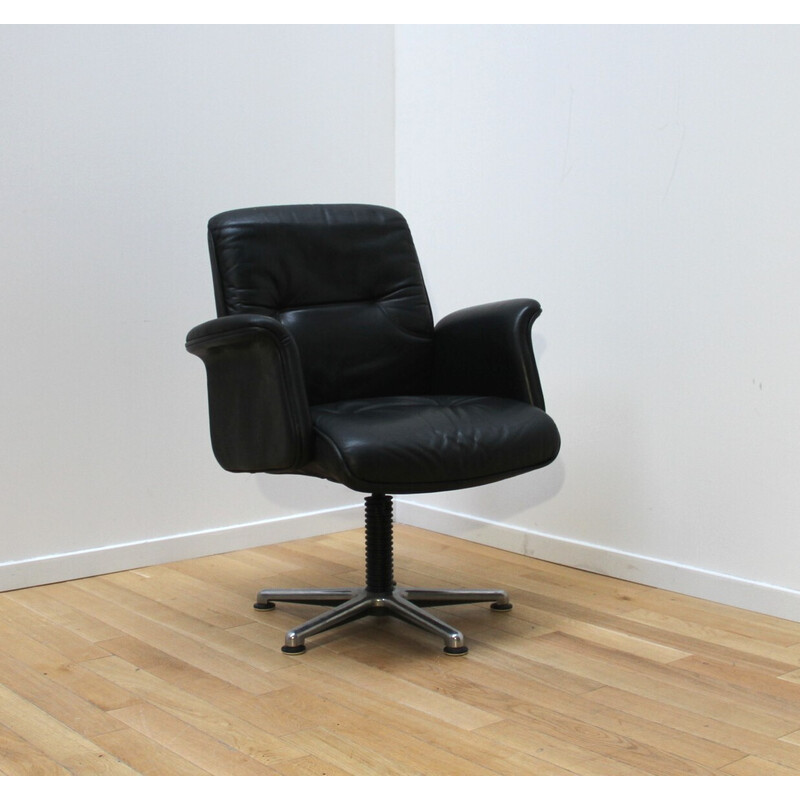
[(97, 691), (681, 640), (244, 705), (622, 641), (489, 686), (756, 686), (775, 710), (380, 723), (349, 756), (695, 722), (425, 701), (659, 684), (726, 638), (54, 699), (752, 765), (20, 625), (537, 621), (706, 613), (58, 741), (512, 737), (418, 757), (18, 757), (309, 766), (191, 745), (45, 602), (177, 636), (240, 735), (525, 765), (394, 715), (793, 737), (573, 718), (323, 553), (171, 588), (147, 756)]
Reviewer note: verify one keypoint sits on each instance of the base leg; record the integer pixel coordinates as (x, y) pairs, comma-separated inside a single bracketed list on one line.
[(450, 597), (400, 607), (314, 597), (348, 611)]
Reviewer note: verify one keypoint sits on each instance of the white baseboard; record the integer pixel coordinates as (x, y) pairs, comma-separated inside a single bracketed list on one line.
[(777, 601), (730, 590), (193, 544)]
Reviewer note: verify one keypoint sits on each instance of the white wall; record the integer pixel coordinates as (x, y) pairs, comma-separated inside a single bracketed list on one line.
[(118, 143), (644, 184)]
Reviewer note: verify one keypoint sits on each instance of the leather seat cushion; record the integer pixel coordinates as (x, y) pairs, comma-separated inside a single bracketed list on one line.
[(428, 443)]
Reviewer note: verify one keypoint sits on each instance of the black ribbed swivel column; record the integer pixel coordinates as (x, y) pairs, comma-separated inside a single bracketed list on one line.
[(378, 528)]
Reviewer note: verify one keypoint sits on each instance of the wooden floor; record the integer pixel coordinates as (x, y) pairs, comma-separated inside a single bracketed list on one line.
[(169, 671)]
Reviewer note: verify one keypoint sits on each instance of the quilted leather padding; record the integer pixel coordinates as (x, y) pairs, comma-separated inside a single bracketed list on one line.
[(345, 280), (405, 445)]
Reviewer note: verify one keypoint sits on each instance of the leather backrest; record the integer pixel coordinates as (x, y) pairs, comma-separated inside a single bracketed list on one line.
[(344, 280)]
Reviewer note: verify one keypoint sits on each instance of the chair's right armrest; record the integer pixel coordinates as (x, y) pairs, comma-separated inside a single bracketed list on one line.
[(487, 349), (258, 410)]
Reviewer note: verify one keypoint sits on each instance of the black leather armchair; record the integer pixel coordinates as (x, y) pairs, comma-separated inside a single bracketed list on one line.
[(324, 361)]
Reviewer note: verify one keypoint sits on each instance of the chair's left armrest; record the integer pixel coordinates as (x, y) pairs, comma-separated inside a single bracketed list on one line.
[(258, 410), (487, 350)]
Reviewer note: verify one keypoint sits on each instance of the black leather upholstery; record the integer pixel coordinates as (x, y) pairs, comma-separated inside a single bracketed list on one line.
[(324, 359), (344, 281), (402, 445)]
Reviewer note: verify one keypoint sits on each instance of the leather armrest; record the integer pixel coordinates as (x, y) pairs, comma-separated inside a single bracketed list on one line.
[(487, 350), (258, 410)]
